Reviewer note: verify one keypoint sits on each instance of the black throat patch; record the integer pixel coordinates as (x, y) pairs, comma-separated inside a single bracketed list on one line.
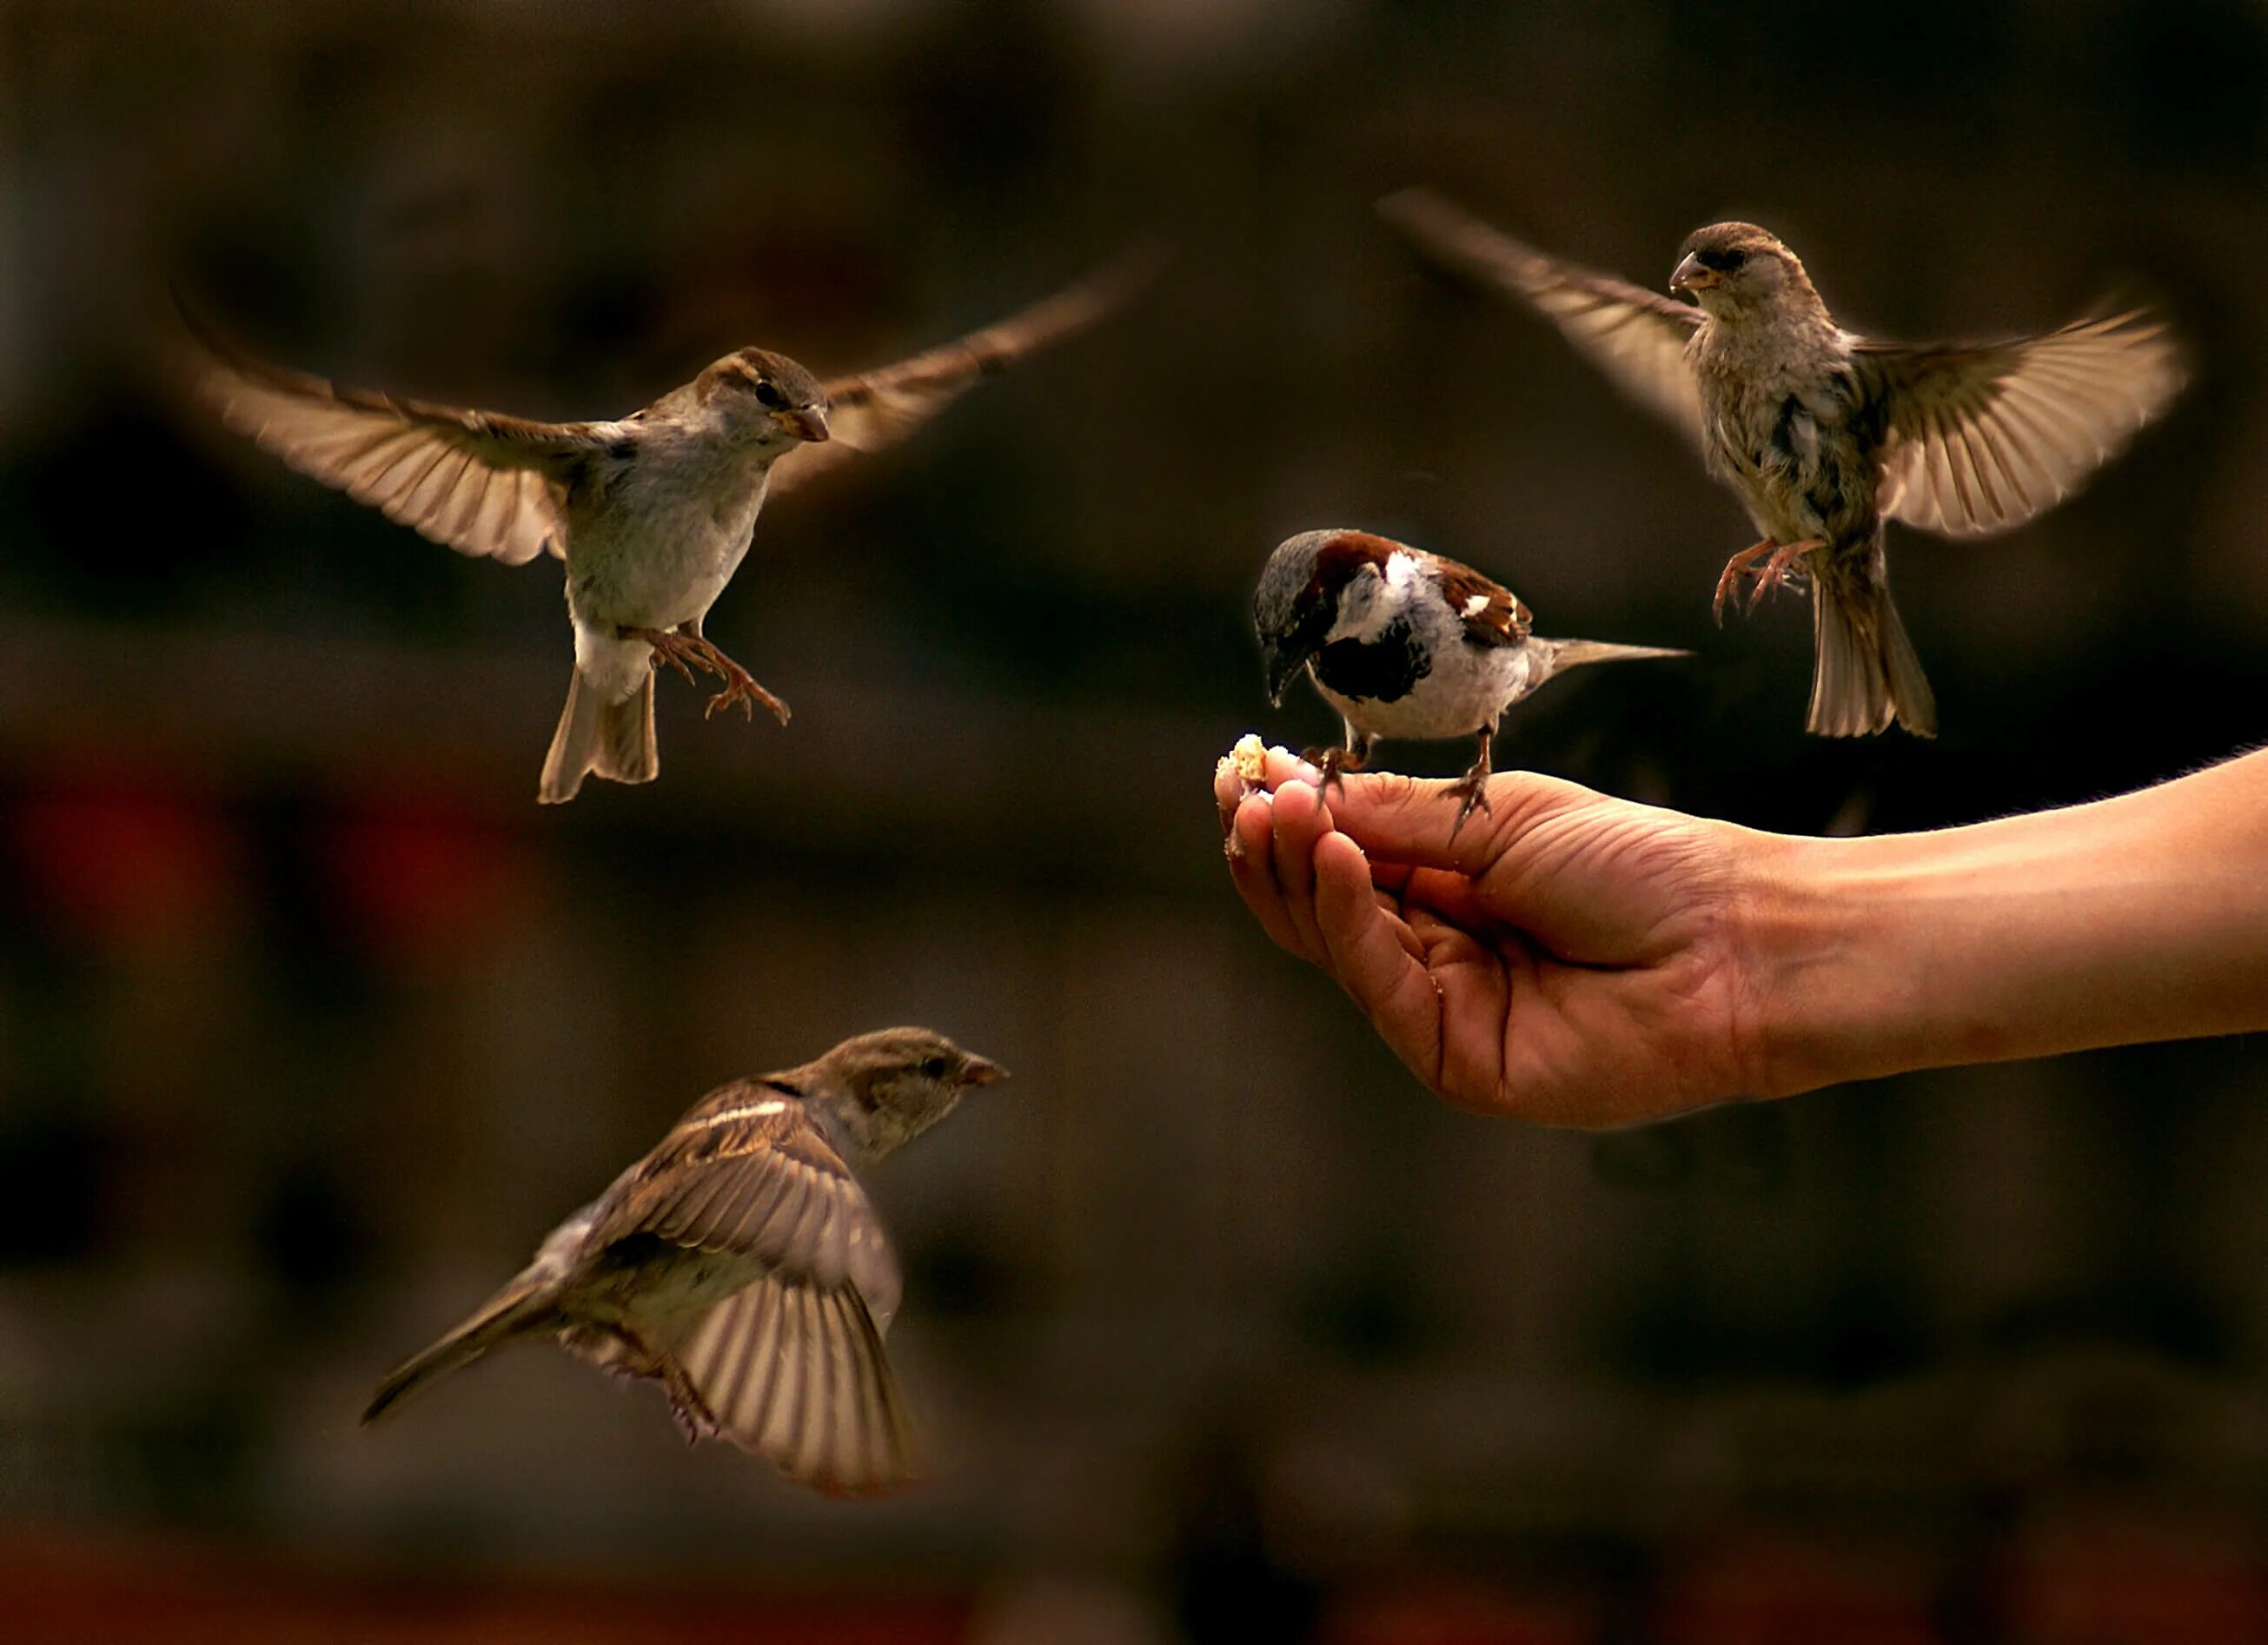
[(1381, 670)]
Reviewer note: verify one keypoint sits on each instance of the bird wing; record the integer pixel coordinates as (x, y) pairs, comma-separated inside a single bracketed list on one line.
[(795, 1373), (880, 408), (746, 1173), (1982, 437), (1635, 336), (479, 482), (1492, 614)]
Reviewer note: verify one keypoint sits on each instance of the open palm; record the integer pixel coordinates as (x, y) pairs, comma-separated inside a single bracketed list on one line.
[(1564, 957)]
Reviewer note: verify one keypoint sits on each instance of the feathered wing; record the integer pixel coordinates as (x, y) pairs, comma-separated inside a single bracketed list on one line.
[(880, 408), (1983, 436), (1492, 614), (796, 1374), (791, 1367), (1635, 336), (481, 483)]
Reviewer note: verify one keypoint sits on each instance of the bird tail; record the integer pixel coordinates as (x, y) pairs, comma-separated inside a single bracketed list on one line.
[(523, 1306), (1560, 655), (1866, 674), (615, 740)]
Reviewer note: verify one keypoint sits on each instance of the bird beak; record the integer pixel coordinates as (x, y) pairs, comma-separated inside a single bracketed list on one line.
[(805, 423), (1690, 276), (1283, 661), (977, 1071)]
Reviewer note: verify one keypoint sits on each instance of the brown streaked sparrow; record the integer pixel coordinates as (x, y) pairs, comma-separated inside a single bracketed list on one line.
[(650, 513), (741, 1266), (1826, 435), (1405, 643)]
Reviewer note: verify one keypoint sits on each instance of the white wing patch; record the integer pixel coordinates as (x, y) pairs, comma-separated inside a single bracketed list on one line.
[(1477, 604), (752, 1110)]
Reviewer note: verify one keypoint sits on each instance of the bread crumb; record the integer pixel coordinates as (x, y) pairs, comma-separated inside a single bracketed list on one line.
[(1250, 757)]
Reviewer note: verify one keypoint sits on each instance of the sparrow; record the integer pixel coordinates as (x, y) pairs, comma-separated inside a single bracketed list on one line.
[(650, 513), (741, 1265), (1826, 435), (1406, 644)]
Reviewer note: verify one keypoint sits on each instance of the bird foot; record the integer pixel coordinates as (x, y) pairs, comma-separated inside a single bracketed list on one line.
[(1334, 764), (1780, 570), (694, 1420), (1783, 570), (740, 688), (1471, 791)]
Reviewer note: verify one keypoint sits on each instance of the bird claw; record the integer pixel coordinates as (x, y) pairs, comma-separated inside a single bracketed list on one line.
[(678, 649), (1334, 764), (1781, 569), (1472, 788)]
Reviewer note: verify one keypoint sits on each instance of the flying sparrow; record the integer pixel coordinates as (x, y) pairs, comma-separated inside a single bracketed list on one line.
[(1405, 643), (650, 513), (740, 1266), (1826, 435)]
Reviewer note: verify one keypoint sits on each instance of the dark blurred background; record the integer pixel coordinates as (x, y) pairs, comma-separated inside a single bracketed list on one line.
[(311, 1021)]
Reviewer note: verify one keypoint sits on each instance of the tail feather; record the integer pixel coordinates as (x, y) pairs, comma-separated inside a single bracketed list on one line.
[(1866, 674), (1560, 655), (614, 740), (521, 1307)]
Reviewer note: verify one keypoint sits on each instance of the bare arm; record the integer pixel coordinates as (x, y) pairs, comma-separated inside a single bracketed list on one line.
[(2140, 918), (1579, 959)]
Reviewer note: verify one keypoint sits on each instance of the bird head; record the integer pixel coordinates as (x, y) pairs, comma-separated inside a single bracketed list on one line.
[(1302, 596), (1733, 268), (774, 400), (886, 1089)]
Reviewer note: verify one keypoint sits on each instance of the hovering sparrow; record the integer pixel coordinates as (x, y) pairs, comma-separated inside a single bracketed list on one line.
[(740, 1266), (651, 513), (1826, 435), (1405, 643)]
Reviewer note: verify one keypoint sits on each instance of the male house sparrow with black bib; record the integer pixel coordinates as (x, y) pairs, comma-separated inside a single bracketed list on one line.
[(1405, 643), (1826, 435), (740, 1266), (650, 513)]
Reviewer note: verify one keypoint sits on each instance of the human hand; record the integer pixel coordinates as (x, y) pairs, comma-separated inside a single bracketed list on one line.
[(1563, 957)]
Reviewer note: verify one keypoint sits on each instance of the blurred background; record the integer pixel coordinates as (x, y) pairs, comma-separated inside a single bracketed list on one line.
[(312, 1023)]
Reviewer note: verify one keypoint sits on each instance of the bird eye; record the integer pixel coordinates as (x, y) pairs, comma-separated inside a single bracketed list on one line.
[(934, 1069), (769, 397), (1729, 261)]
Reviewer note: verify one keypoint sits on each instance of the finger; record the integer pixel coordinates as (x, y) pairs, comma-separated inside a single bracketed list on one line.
[(1251, 850), (1300, 821), (1371, 956), (1410, 820), (1283, 766), (1229, 787)]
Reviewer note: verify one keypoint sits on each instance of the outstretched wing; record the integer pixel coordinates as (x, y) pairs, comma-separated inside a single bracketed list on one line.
[(795, 1373), (480, 481), (1635, 336), (1983, 436), (878, 407), (790, 1367), (746, 1174)]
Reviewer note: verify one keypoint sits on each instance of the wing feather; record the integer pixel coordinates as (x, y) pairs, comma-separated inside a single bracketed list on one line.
[(877, 408), (2048, 410), (1635, 336), (481, 483), (747, 1173)]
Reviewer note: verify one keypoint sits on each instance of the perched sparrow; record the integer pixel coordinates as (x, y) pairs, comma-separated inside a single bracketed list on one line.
[(651, 513), (1405, 643), (1826, 435), (740, 1266)]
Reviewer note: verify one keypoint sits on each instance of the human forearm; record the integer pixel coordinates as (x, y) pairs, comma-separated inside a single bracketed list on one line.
[(2140, 918)]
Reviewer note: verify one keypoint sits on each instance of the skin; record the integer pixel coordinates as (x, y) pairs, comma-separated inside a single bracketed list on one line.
[(1570, 959)]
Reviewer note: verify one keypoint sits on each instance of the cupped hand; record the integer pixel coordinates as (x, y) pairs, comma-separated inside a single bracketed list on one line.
[(1563, 957)]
